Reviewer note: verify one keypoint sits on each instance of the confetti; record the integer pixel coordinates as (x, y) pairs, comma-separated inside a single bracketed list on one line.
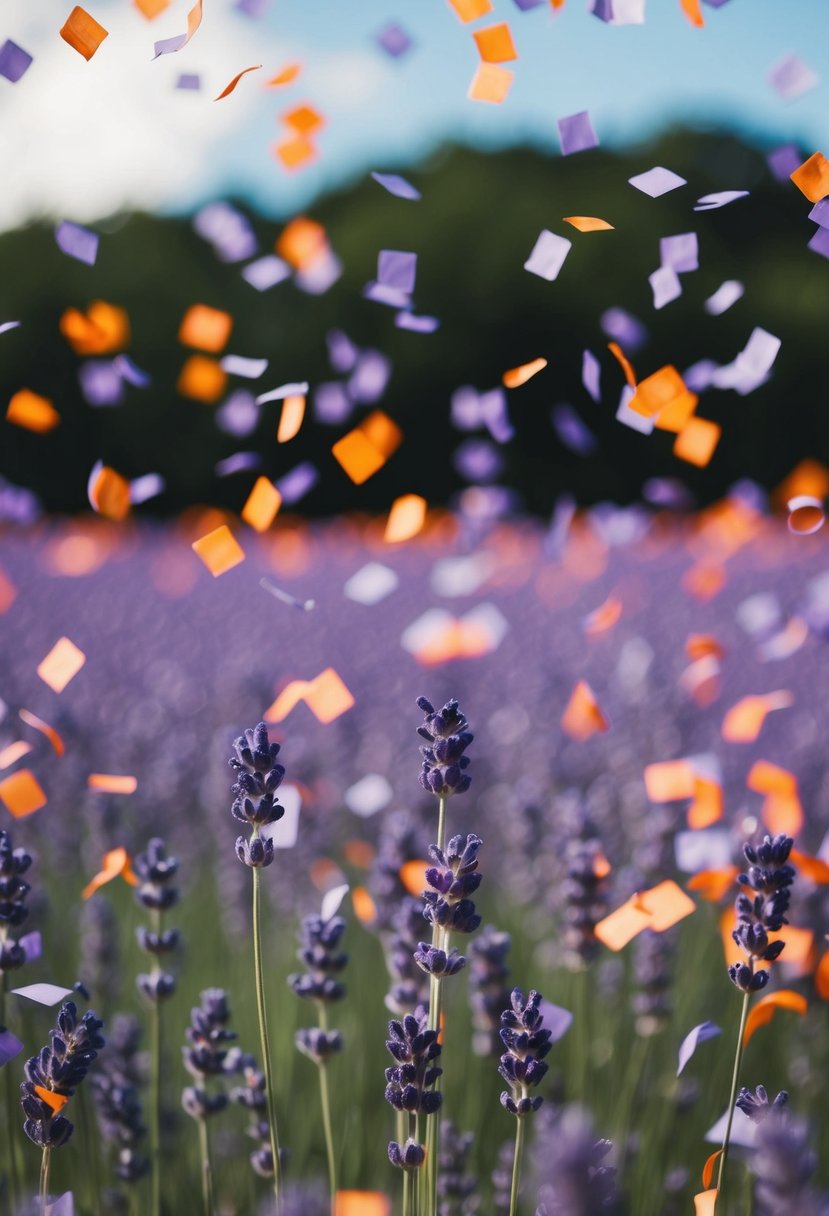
[(62, 663), (621, 926), (657, 181), (495, 44), (22, 794), (707, 806), (266, 272), (108, 492), (782, 810), (219, 550), (43, 994), (368, 796), (14, 61), (727, 293), (285, 597), (763, 1011), (77, 242), (189, 80), (588, 223), (394, 40), (112, 783), (582, 717), (665, 286), (262, 505), (713, 884), (744, 721), (693, 12), (332, 900), (571, 431), (364, 450), (398, 186), (811, 868), (417, 325), (624, 363), (14, 752), (296, 389), (548, 255), (32, 412), (228, 89), (116, 864), (205, 328), (83, 33), (10, 1046), (364, 906), (202, 378), (471, 10), (658, 909), (38, 724), (692, 1040), (791, 78), (168, 46), (576, 134), (371, 584), (670, 780), (812, 177), (602, 619), (151, 8), (490, 83), (53, 1100), (304, 119), (680, 252), (365, 1203), (517, 376), (806, 515), (711, 202), (697, 441), (290, 418), (295, 152), (326, 696)]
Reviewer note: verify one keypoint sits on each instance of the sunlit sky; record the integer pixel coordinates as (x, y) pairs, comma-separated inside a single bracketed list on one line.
[(80, 140)]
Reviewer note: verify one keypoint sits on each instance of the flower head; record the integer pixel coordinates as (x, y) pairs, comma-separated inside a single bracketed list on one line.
[(770, 877), (58, 1068), (527, 1043), (444, 763)]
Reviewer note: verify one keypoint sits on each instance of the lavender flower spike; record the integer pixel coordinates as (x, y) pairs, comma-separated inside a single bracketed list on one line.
[(444, 762), (756, 1104), (258, 779), (59, 1068), (13, 910), (769, 875), (409, 1082), (527, 1043)]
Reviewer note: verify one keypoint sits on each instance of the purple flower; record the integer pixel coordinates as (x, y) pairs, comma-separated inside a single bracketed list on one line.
[(770, 876), (452, 881), (13, 910), (435, 961), (527, 1043), (258, 777), (252, 1095), (60, 1068), (444, 762), (116, 1089), (319, 941), (488, 991), (756, 1104), (410, 1081)]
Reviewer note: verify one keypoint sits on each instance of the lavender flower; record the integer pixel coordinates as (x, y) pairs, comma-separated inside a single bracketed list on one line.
[(156, 871), (13, 910), (576, 1180), (527, 1043), (488, 991), (59, 1068), (116, 1087), (252, 1095), (319, 940), (206, 1055), (258, 779), (409, 1082), (771, 878), (409, 987), (452, 881), (783, 1164), (444, 762), (584, 899), (756, 1103), (654, 953)]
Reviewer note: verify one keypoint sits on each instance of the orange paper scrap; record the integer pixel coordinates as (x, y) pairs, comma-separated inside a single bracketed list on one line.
[(304, 119), (361, 1203), (151, 8), (294, 152), (290, 418), (697, 441), (109, 493), (287, 75), (115, 863), (202, 378), (621, 926), (623, 361), (495, 44), (51, 734), (582, 717), (763, 1010), (702, 645), (205, 328), (744, 721), (708, 1168), (82, 32), (302, 242), (367, 448), (326, 696), (713, 884), (657, 391), (703, 581), (705, 1202), (490, 83), (53, 1100), (809, 478), (459, 639), (603, 618), (822, 978), (219, 550), (799, 954), (812, 177), (8, 592), (810, 868), (693, 12), (101, 329), (21, 793), (667, 904), (14, 752), (588, 223), (670, 780), (471, 10), (413, 876), (32, 412), (228, 89), (707, 807), (364, 907), (406, 518), (112, 783), (62, 663), (517, 376), (262, 505)]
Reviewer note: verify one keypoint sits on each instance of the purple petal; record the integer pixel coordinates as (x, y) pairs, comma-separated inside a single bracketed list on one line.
[(397, 185), (692, 1040), (14, 61), (576, 134), (77, 242), (150, 485), (591, 372), (657, 181), (548, 255), (128, 371)]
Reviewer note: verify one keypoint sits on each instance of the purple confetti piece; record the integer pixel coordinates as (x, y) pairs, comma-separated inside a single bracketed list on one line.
[(189, 81), (393, 297), (239, 462), (297, 482), (667, 492), (564, 512), (31, 945), (239, 365), (632, 418), (332, 404), (783, 161), (148, 486), (743, 1129), (692, 1040), (711, 202), (657, 181), (819, 215), (715, 3), (700, 375), (10, 1046), (478, 461), (526, 5), (296, 388), (397, 185), (576, 134), (7, 325), (680, 252), (77, 242), (727, 293), (342, 353), (43, 994), (266, 272), (228, 231), (790, 78), (494, 415), (465, 409), (369, 378), (665, 285), (394, 40), (571, 431), (64, 1206), (128, 371), (557, 1020), (416, 325), (253, 8), (239, 415), (169, 46), (548, 255), (398, 269), (591, 372), (14, 61), (624, 328), (101, 382), (752, 366), (820, 242), (323, 273), (620, 12)]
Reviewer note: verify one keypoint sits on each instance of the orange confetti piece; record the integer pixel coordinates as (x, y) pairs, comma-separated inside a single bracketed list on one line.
[(703, 581), (621, 926), (705, 1202), (101, 329), (702, 645), (657, 391), (677, 414), (14, 752), (83, 33), (744, 721), (32, 412), (495, 44), (471, 10), (151, 8), (359, 853), (287, 75), (588, 223), (697, 441), (708, 1168), (782, 810), (202, 379), (22, 794), (713, 884), (367, 448), (667, 904), (62, 664), (670, 780), (490, 83), (822, 978), (603, 618), (702, 681), (364, 907), (302, 242), (8, 592), (290, 418), (205, 328), (800, 948), (763, 1010), (262, 505), (693, 12), (811, 868), (219, 550), (458, 640), (304, 119), (413, 876), (707, 807), (228, 89), (326, 696), (767, 778), (809, 479), (812, 177), (582, 717), (294, 152), (38, 724), (361, 1203), (53, 1100), (517, 376), (112, 783), (109, 493), (623, 361), (116, 864), (406, 518)]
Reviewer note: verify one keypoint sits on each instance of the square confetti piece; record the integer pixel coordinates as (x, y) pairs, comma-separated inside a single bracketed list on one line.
[(680, 252), (495, 44), (21, 793), (697, 441), (262, 505), (812, 177), (791, 78), (490, 83), (397, 185), (32, 412), (471, 10), (657, 181), (77, 242), (82, 32), (266, 272), (151, 8), (304, 119), (205, 328), (548, 255), (43, 994), (14, 61), (219, 550), (189, 80), (62, 664), (576, 134), (295, 152), (202, 378), (665, 285), (394, 40)]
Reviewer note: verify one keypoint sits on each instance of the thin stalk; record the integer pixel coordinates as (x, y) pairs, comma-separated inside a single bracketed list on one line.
[(11, 1143), (155, 1082), (407, 1193), (90, 1145), (433, 1126), (264, 1043), (206, 1169), (44, 1181), (326, 1115), (416, 1184), (516, 1165), (738, 1059)]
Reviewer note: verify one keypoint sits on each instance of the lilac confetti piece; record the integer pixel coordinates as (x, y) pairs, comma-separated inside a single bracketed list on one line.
[(576, 134), (239, 365), (416, 325), (571, 431), (252, 8), (285, 831), (632, 418), (297, 482), (397, 185), (752, 365), (371, 584), (239, 415), (148, 486), (368, 796), (743, 1129), (702, 850), (557, 1020), (692, 1040), (394, 40), (393, 297), (228, 231), (493, 407), (820, 242), (715, 3), (548, 255), (77, 242), (591, 371), (169, 46), (526, 5), (819, 215), (331, 901), (297, 388), (624, 328), (7, 325), (783, 161), (266, 272), (239, 462), (133, 374), (332, 404), (342, 353), (101, 382), (285, 597), (564, 512), (700, 375), (323, 273), (791, 78), (189, 81), (43, 994), (10, 1046), (657, 181), (711, 202), (456, 577), (680, 252), (727, 293), (64, 1206), (396, 268), (465, 409), (14, 61), (31, 945), (666, 492), (665, 285), (478, 461), (369, 378), (620, 12)]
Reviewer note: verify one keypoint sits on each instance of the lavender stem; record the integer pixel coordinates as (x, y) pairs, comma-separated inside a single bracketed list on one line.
[(516, 1162), (10, 1110), (738, 1059), (433, 1126), (155, 1081), (264, 1044), (44, 1181), (326, 1114), (206, 1170)]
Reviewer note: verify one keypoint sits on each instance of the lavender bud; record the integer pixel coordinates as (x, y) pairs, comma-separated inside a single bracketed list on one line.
[(409, 1156), (527, 1043), (156, 987), (437, 962), (444, 763)]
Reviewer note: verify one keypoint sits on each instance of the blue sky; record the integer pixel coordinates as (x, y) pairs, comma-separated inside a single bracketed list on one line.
[(85, 139)]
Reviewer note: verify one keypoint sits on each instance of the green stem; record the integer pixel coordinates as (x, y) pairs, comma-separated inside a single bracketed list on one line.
[(738, 1059), (407, 1193), (516, 1165), (206, 1170), (264, 1043), (439, 939), (44, 1181), (326, 1116), (155, 1082), (419, 1180), (11, 1143)]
